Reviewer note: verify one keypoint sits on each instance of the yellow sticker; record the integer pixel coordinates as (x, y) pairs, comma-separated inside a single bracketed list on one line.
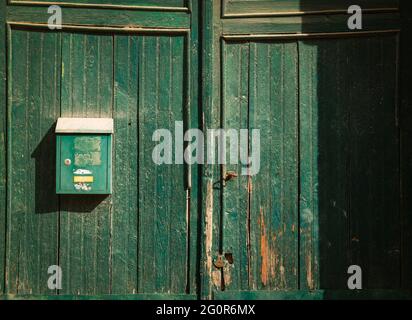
[(78, 179)]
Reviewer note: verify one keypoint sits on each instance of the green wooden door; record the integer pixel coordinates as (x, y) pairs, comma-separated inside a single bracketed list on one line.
[(138, 240), (326, 196), (328, 192), (324, 98)]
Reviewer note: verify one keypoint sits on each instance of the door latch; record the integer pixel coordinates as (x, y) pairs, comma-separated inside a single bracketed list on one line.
[(219, 262), (229, 176)]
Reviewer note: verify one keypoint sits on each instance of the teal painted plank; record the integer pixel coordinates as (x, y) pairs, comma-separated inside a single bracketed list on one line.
[(163, 240), (389, 141), (85, 222), (271, 7), (333, 159), (405, 117), (125, 205), (211, 174), (284, 150), (274, 190), (163, 221), (308, 24), (108, 297), (316, 295), (193, 100), (374, 199), (107, 17), (34, 108), (142, 3), (177, 189), (308, 202), (148, 82), (236, 196), (254, 218), (270, 295), (3, 147)]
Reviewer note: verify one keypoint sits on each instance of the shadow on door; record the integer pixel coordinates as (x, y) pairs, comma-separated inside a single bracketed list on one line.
[(350, 137)]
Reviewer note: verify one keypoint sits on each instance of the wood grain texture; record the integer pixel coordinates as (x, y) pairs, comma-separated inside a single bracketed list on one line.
[(260, 221), (235, 194), (308, 197), (328, 117), (136, 241), (34, 68), (275, 7), (3, 146), (162, 205), (155, 4), (106, 17), (308, 24), (87, 91), (193, 101), (125, 199), (352, 185), (405, 118)]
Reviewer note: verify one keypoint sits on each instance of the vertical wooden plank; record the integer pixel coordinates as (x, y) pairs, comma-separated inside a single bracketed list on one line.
[(284, 165), (3, 147), (308, 207), (374, 141), (274, 190), (260, 208), (148, 95), (87, 91), (16, 114), (254, 219), (211, 277), (163, 230), (389, 143), (361, 137), (125, 196), (34, 107), (405, 117), (334, 153), (179, 237), (163, 224), (235, 194), (193, 100)]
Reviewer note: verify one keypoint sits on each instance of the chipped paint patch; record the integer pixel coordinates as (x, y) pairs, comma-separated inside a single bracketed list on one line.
[(309, 273), (209, 227), (264, 251), (227, 274), (217, 278), (307, 215)]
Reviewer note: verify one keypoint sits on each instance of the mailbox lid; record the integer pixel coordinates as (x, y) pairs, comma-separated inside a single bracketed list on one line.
[(85, 125), (84, 164)]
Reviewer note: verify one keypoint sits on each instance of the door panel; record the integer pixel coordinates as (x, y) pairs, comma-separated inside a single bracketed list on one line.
[(33, 206), (135, 241), (326, 196), (349, 100), (260, 216)]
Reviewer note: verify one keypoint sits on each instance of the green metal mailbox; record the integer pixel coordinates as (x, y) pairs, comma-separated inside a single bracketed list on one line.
[(84, 156)]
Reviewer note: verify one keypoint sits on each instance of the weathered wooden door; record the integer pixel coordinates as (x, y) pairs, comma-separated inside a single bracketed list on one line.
[(325, 99), (322, 128), (327, 194), (131, 63)]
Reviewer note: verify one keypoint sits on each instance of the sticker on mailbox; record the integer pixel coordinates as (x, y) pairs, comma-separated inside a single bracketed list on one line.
[(78, 179), (83, 179)]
